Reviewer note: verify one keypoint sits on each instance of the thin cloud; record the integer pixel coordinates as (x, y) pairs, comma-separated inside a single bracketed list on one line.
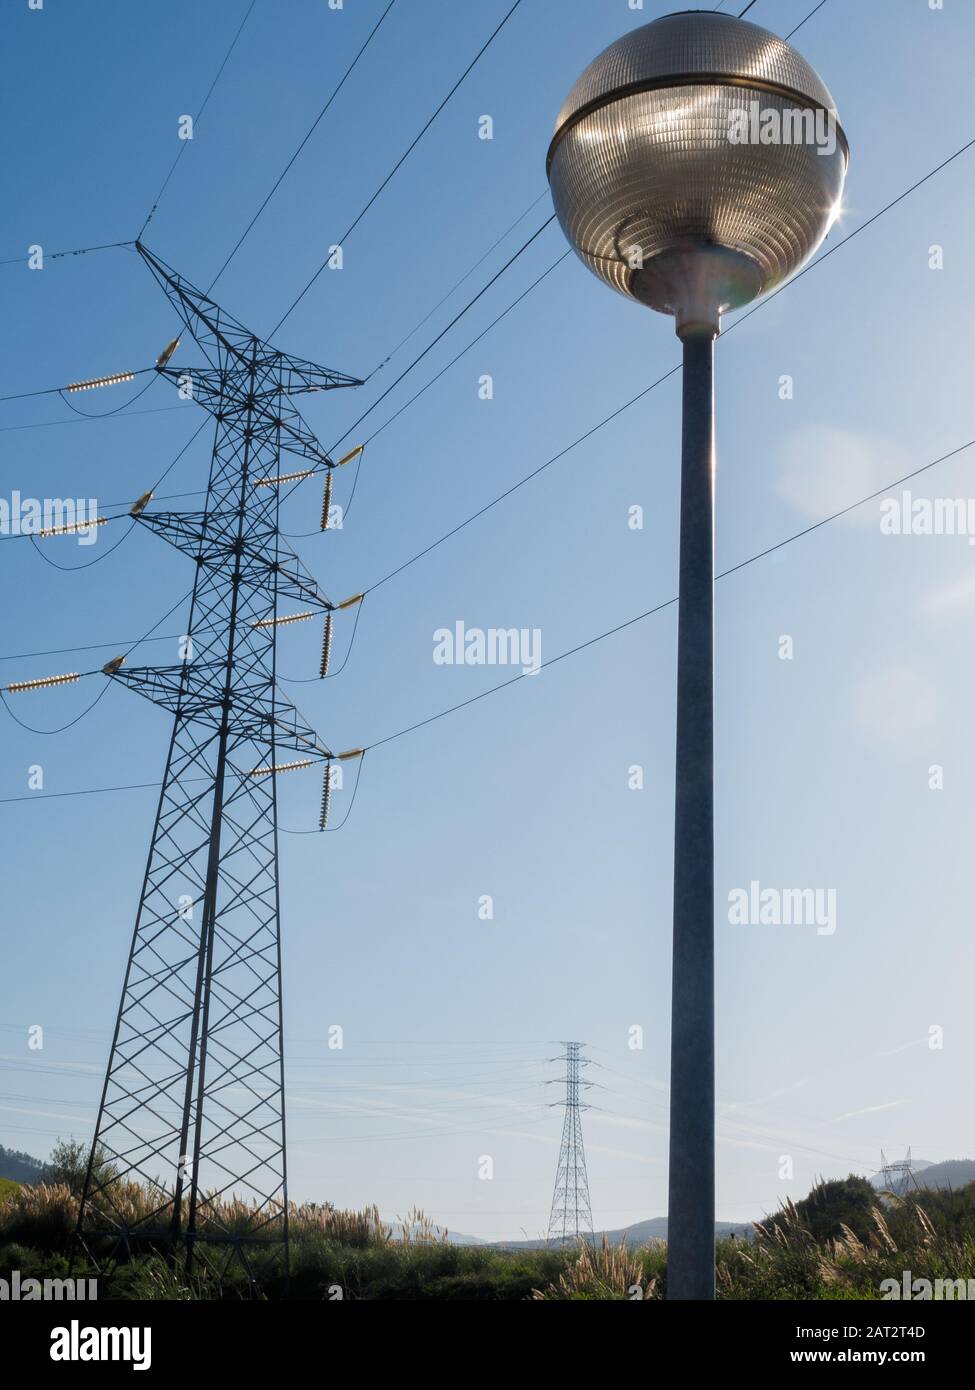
[(868, 1110)]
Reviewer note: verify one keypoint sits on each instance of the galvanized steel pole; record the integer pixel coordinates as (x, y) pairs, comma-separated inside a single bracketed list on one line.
[(690, 1217)]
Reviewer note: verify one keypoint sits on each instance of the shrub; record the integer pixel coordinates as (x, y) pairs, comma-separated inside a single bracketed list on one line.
[(44, 1216), (606, 1272)]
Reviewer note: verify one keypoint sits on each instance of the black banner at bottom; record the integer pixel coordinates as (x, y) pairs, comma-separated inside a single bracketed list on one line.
[(140, 1338)]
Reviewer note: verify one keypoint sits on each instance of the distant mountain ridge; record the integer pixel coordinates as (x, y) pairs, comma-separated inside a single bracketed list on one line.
[(397, 1229), (640, 1233), (953, 1173), (19, 1166)]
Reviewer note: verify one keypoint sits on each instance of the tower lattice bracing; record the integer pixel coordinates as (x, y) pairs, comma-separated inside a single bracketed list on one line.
[(896, 1175), (571, 1214), (193, 1100)]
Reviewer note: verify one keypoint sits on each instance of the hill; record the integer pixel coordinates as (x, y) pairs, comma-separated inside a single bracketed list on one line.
[(20, 1167), (952, 1173), (399, 1231), (639, 1234)]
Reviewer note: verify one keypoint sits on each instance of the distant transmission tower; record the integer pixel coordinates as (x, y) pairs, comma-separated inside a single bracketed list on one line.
[(571, 1213), (896, 1176), (192, 1107)]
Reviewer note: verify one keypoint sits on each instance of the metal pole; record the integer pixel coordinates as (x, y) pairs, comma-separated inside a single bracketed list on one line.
[(690, 1215)]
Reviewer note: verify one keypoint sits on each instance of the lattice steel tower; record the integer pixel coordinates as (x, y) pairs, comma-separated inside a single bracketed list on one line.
[(571, 1213), (193, 1100), (896, 1175)]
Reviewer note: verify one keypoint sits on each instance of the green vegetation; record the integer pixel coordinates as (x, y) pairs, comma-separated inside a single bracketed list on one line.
[(837, 1243)]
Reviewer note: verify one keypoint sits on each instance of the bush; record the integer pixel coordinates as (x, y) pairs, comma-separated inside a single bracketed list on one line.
[(840, 1242), (67, 1165), (605, 1273), (44, 1217)]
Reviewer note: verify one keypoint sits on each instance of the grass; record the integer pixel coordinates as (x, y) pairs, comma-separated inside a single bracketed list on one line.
[(838, 1243)]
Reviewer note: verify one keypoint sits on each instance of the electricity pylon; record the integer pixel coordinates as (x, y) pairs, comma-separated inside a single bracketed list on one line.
[(896, 1176), (192, 1106), (571, 1213)]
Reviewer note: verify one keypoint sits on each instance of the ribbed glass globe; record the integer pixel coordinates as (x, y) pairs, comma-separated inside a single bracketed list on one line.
[(661, 173)]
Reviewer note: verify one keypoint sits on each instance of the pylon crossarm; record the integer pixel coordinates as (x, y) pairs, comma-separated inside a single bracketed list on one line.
[(167, 686), (300, 376), (229, 400), (213, 328), (291, 731), (209, 538), (186, 530), (220, 333), (303, 588)]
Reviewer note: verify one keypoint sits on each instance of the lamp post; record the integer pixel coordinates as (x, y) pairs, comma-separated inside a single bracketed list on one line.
[(696, 164)]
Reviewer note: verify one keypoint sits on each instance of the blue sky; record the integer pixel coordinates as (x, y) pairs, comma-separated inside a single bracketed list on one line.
[(822, 761)]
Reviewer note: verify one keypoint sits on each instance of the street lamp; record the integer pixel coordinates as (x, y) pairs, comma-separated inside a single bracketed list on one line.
[(696, 164)]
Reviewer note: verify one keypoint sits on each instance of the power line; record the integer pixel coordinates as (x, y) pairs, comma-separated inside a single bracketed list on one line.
[(91, 647), (849, 237), (455, 287), (452, 324), (280, 179), (455, 320), (572, 651), (430, 346), (416, 361), (108, 245), (514, 303), (613, 415), (629, 622), (668, 374), (30, 535), (330, 829), (645, 391), (742, 13), (90, 791), (59, 390), (77, 251), (803, 21), (488, 506), (95, 560), (305, 535), (399, 163), (47, 424), (277, 184), (105, 414), (183, 143), (62, 728), (473, 343)]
